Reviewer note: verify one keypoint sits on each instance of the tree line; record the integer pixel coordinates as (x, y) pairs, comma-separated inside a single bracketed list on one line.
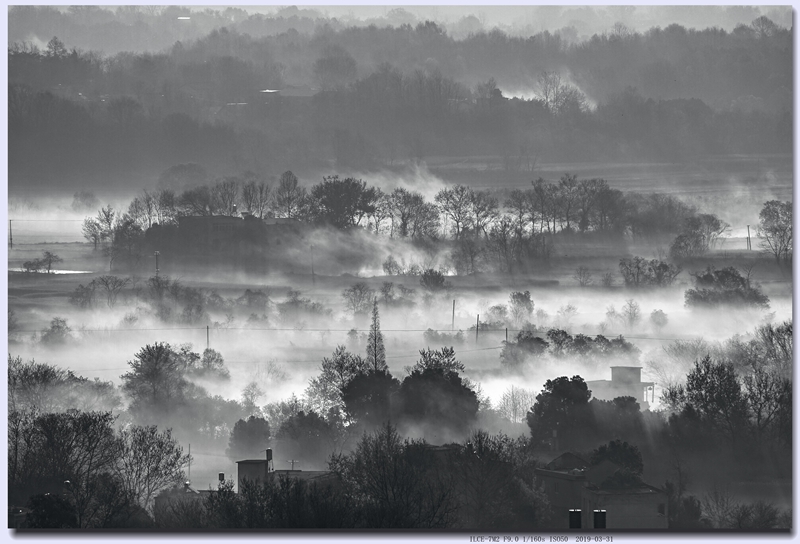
[(487, 53), (202, 101), (481, 227)]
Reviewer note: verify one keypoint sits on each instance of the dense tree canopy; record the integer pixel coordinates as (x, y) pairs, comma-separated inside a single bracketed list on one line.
[(562, 407)]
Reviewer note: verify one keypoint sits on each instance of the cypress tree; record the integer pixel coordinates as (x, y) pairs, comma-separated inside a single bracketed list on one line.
[(376, 354)]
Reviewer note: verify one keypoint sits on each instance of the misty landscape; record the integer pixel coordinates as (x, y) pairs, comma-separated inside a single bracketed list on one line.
[(427, 267)]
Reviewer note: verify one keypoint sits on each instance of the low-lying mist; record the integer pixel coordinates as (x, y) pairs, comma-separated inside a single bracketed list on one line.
[(281, 346)]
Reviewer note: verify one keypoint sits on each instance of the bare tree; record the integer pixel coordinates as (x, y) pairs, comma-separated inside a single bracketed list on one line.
[(226, 194), (141, 210), (197, 201), (775, 229), (106, 219), (78, 447), (566, 314), (382, 210), (358, 297), (256, 197), (557, 95), (113, 285), (583, 276), (149, 461), (456, 204), (631, 313), (568, 193), (412, 216), (390, 474), (289, 197), (515, 403), (165, 206), (484, 210), (92, 231), (766, 392)]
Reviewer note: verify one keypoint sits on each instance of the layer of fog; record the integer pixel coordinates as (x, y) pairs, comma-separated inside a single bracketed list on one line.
[(282, 356)]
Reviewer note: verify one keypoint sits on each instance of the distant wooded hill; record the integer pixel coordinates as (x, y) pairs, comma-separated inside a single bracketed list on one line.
[(371, 97)]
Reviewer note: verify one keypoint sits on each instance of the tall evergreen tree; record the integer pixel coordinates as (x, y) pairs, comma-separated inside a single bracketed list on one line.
[(376, 354)]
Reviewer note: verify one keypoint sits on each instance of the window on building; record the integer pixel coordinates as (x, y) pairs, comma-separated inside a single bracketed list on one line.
[(662, 509), (574, 519), (599, 519)]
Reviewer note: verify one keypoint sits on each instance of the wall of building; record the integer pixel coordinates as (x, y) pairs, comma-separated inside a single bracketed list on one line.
[(564, 491), (626, 510), (252, 471)]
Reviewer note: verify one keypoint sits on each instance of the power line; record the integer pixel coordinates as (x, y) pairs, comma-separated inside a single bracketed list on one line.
[(405, 356)]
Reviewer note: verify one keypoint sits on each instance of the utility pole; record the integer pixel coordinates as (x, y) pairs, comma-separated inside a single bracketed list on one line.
[(190, 462), (208, 343), (313, 277), (453, 322), (748, 237), (10, 235), (477, 327), (157, 253), (292, 461)]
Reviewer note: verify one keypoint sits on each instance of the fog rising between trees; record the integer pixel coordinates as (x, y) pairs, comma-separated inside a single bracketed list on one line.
[(416, 253)]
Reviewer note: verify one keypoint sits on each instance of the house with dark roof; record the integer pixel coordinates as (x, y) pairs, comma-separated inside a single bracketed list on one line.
[(581, 497)]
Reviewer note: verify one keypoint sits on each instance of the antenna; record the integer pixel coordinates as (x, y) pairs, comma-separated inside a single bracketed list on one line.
[(292, 461)]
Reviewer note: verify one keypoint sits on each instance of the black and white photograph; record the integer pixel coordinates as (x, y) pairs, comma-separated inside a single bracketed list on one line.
[(513, 274)]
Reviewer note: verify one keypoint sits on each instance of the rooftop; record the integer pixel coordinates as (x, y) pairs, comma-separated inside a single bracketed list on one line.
[(304, 474), (567, 461), (643, 489)]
